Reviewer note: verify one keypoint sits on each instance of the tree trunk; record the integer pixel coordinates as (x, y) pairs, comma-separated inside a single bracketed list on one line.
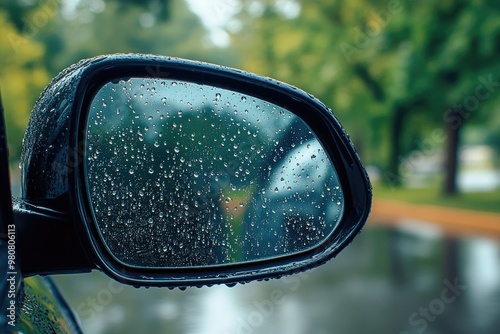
[(451, 157), (392, 175)]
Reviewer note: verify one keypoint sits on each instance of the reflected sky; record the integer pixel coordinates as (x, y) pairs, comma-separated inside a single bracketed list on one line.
[(389, 280)]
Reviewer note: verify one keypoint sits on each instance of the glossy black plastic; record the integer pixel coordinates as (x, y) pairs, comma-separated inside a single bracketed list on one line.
[(6, 199), (54, 180)]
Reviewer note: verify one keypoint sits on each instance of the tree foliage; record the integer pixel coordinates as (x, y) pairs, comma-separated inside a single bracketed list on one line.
[(394, 71), (400, 75), (23, 77), (41, 38)]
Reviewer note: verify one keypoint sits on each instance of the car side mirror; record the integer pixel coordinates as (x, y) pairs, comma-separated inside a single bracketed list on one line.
[(167, 172)]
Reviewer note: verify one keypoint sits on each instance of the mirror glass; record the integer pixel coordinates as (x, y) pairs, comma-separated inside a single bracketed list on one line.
[(183, 175)]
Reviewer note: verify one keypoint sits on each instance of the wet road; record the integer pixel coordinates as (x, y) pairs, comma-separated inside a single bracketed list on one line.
[(401, 279), (389, 280)]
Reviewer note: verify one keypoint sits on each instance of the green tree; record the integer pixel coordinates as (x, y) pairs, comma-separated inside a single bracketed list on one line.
[(22, 78), (39, 39), (392, 70)]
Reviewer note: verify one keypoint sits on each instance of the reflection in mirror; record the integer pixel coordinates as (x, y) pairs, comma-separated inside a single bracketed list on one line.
[(181, 174)]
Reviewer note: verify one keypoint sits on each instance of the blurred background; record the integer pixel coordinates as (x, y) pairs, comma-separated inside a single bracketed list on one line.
[(415, 84)]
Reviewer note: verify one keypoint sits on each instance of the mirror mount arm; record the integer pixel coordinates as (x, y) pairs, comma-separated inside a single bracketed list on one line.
[(47, 242)]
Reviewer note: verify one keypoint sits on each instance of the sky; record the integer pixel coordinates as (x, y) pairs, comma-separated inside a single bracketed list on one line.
[(216, 16)]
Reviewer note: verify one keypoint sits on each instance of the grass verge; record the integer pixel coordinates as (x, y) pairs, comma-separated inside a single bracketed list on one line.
[(488, 201)]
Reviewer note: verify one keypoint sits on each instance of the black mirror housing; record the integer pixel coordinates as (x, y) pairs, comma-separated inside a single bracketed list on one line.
[(54, 214)]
